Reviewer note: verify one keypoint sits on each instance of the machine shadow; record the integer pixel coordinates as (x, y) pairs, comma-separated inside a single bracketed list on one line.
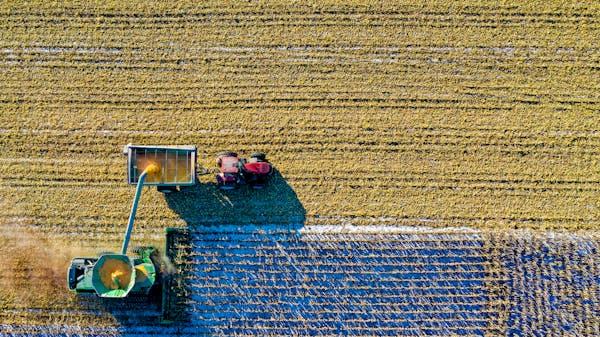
[(215, 220), (276, 205), (211, 216)]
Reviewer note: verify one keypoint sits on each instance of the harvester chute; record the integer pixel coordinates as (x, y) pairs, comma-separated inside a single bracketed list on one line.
[(117, 275)]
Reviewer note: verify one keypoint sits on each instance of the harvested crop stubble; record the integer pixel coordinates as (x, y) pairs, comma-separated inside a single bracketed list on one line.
[(480, 114)]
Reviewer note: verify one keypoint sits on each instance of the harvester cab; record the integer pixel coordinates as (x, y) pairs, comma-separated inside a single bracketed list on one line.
[(117, 275)]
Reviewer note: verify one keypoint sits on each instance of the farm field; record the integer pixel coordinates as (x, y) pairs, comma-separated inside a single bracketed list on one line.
[(423, 151), (328, 280)]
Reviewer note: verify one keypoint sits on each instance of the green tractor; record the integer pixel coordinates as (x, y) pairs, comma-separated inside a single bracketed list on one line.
[(114, 275)]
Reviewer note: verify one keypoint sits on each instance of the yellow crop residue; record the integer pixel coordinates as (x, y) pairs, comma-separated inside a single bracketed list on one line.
[(482, 114), (168, 169), (153, 169), (141, 274), (115, 274), (28, 280)]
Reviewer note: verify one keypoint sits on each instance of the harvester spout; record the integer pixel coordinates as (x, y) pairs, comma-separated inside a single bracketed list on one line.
[(116, 275), (115, 278), (151, 169)]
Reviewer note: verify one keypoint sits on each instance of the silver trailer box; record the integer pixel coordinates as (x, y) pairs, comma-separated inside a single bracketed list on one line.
[(177, 164)]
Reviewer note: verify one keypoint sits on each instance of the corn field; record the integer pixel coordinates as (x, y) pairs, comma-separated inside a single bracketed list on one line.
[(437, 164)]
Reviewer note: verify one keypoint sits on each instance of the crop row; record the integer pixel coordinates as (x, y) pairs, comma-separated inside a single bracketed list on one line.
[(439, 203), (377, 32)]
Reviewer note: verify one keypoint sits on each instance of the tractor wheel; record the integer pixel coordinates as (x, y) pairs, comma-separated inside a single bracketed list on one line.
[(227, 154), (259, 156)]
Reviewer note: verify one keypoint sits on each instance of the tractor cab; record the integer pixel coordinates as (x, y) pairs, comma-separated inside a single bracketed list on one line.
[(229, 170), (230, 165), (235, 171)]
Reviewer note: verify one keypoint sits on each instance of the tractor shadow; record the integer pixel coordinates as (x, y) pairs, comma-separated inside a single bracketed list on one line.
[(205, 205), (215, 221)]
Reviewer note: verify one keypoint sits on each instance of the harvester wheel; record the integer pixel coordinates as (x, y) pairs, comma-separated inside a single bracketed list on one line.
[(259, 156)]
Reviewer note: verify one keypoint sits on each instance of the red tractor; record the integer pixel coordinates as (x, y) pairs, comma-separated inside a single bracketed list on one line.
[(235, 171)]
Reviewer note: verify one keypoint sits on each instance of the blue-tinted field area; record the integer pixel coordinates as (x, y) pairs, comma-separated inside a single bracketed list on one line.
[(331, 281), (554, 285), (339, 284)]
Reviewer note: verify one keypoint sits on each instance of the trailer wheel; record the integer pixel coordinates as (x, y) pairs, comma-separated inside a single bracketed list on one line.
[(167, 189)]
